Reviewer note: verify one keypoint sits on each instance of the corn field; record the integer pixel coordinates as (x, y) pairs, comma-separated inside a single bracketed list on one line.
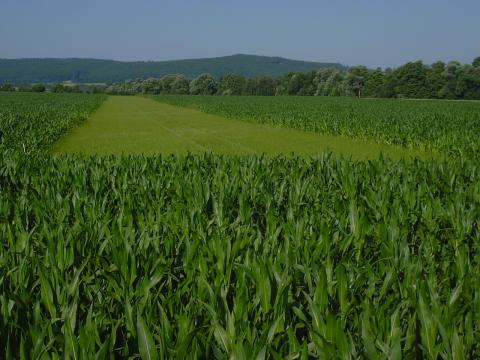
[(232, 257), (30, 123)]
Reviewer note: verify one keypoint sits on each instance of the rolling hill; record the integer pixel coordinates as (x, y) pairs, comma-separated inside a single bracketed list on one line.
[(26, 71)]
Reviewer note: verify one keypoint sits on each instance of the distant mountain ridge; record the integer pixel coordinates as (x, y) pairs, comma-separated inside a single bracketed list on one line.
[(49, 70)]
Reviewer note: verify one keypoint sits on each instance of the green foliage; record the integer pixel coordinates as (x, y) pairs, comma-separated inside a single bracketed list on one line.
[(235, 257), (180, 85), (297, 84), (7, 87), (444, 126), (450, 75), (374, 83), (435, 80), (204, 84), (30, 123), (231, 84), (63, 88), (134, 125), (389, 84), (354, 80), (212, 257), (468, 83), (38, 88), (329, 82), (255, 75), (411, 80), (261, 86)]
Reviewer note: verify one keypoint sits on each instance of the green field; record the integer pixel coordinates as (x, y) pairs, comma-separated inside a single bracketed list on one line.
[(226, 254), (448, 127), (136, 125)]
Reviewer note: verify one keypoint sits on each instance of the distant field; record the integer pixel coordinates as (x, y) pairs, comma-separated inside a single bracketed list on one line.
[(449, 127), (136, 125)]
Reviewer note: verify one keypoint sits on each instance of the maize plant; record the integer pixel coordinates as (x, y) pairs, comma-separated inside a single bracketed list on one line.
[(245, 257), (30, 122)]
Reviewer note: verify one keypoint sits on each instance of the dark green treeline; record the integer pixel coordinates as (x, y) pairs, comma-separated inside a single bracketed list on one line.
[(412, 80)]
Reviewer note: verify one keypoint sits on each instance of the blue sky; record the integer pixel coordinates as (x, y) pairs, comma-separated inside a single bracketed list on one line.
[(369, 32)]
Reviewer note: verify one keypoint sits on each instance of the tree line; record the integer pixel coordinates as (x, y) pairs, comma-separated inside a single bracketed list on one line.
[(56, 88), (412, 80)]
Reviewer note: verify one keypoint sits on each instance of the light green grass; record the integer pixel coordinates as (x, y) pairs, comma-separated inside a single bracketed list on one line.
[(136, 125)]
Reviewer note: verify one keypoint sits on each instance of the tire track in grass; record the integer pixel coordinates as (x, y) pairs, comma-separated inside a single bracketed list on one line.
[(178, 135), (233, 144)]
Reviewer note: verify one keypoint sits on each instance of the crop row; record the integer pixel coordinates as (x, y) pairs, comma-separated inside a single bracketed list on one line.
[(30, 123), (240, 257)]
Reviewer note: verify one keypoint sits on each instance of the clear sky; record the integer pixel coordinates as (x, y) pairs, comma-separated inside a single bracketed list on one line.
[(368, 32)]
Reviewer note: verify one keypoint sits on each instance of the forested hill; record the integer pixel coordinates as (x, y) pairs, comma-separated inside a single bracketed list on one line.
[(25, 71)]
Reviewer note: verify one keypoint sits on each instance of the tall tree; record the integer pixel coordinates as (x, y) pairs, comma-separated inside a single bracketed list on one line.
[(468, 83), (308, 87), (435, 80), (411, 80), (389, 84), (166, 82), (38, 88), (261, 85), (329, 82), (450, 76), (204, 84), (231, 84), (374, 83), (152, 86), (298, 84), (180, 85), (355, 80)]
